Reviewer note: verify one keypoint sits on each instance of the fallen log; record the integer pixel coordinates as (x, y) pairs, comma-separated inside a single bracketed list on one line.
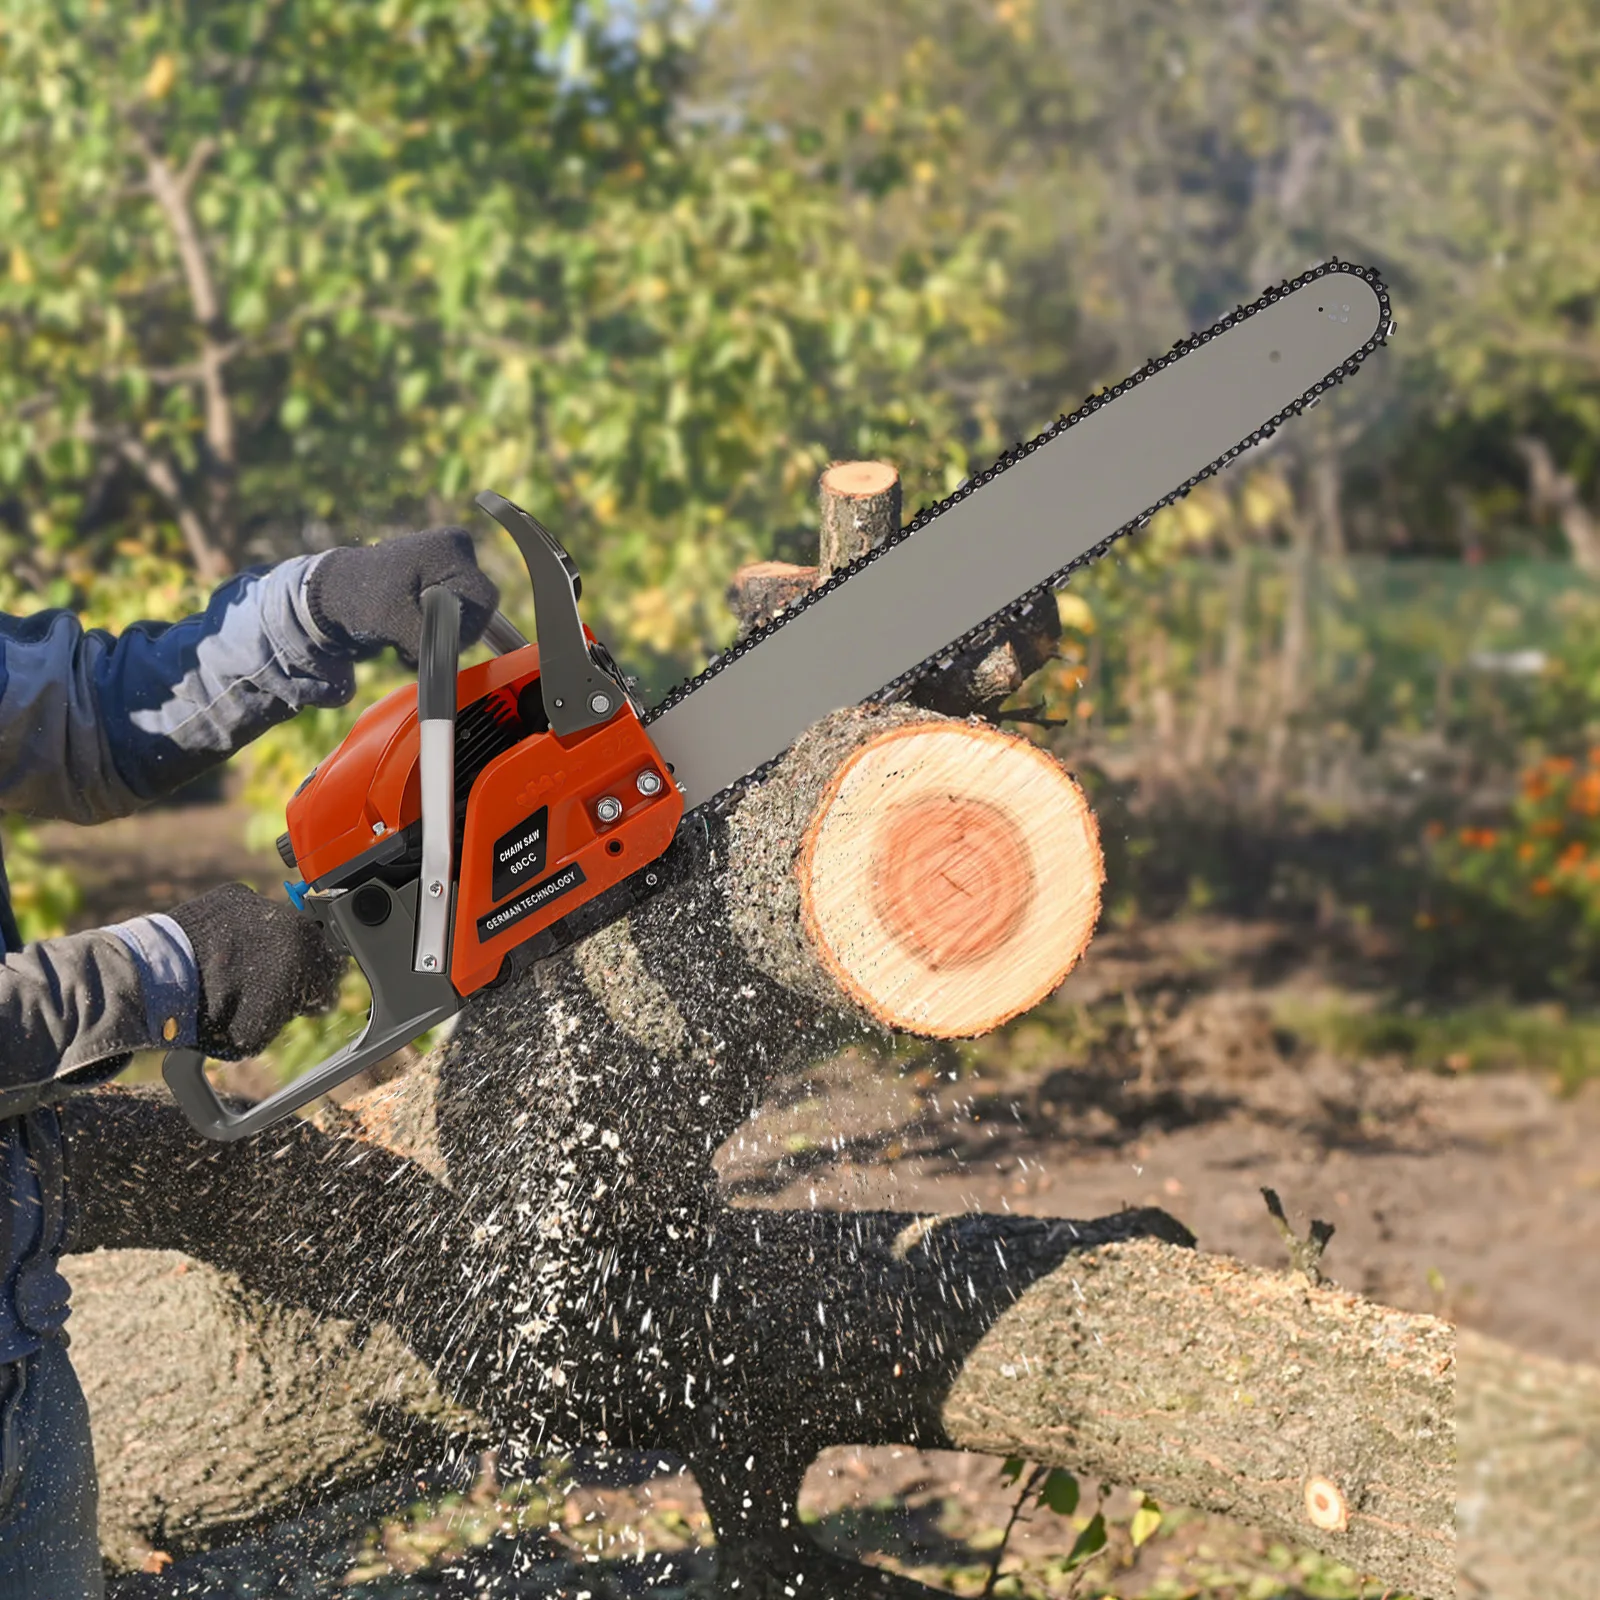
[(520, 1240)]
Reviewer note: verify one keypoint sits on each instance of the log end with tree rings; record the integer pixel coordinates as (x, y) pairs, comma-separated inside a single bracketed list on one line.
[(860, 480), (950, 877)]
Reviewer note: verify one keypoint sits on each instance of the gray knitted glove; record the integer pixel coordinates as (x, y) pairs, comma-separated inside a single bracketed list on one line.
[(260, 964), (367, 596)]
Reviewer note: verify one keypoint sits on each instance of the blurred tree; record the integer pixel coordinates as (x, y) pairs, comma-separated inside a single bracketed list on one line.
[(1162, 159), (279, 270)]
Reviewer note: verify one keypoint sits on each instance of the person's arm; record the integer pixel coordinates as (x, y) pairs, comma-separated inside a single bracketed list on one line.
[(94, 726), (74, 1009)]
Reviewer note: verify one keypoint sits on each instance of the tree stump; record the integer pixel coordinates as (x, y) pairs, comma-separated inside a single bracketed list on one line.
[(764, 588)]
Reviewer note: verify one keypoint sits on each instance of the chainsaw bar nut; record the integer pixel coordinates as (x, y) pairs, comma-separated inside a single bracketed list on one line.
[(648, 782), (608, 808)]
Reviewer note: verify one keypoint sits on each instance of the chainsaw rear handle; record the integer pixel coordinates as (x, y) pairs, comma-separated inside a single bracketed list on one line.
[(404, 1005), (404, 957)]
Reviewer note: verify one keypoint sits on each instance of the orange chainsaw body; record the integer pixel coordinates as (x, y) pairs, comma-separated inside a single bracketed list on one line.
[(532, 845)]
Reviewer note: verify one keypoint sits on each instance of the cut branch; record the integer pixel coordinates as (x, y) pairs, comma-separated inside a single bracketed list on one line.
[(860, 503), (159, 473)]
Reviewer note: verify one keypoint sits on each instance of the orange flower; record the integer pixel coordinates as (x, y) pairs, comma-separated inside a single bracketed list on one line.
[(1586, 795), (1561, 765), (1534, 787), (1526, 851), (1542, 886), (1594, 755), (1544, 829), (1572, 855)]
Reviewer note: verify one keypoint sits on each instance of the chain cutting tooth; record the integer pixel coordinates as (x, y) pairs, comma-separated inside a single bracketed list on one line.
[(1092, 404)]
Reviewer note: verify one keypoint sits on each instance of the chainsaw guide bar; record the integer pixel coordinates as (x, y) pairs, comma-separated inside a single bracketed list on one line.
[(957, 572)]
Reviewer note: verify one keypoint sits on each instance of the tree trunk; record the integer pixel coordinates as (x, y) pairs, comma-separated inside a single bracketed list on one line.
[(520, 1240), (1326, 478), (1552, 490)]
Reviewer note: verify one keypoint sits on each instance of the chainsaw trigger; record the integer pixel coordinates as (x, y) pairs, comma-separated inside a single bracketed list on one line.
[(405, 1005)]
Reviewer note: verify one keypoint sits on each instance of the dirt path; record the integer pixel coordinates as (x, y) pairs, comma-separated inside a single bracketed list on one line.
[(1476, 1197)]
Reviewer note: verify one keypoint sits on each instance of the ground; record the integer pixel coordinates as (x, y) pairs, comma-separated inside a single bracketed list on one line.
[(1186, 1064)]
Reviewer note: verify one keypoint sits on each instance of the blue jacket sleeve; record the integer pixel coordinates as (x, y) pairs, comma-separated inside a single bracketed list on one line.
[(74, 1009), (94, 726)]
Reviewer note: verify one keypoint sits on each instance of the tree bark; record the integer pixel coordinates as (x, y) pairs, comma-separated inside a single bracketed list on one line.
[(764, 588), (520, 1242), (860, 505)]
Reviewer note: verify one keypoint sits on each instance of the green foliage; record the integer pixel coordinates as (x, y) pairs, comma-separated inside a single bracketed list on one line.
[(44, 897), (1059, 1492), (281, 262), (273, 263), (1090, 1542), (1167, 160), (1392, 663), (1056, 1490), (1546, 1040)]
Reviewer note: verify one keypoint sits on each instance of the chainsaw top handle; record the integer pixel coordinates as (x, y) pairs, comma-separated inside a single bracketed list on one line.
[(578, 692)]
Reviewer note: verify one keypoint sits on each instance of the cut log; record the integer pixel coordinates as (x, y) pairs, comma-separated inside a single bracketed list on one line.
[(950, 878), (764, 588), (860, 502)]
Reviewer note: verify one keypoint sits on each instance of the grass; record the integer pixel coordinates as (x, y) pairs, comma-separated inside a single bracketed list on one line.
[(1546, 1040)]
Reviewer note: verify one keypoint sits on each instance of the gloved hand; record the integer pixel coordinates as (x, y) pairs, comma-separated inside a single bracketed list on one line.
[(367, 596), (260, 964)]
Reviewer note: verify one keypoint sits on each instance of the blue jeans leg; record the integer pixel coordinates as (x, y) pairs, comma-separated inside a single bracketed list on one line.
[(49, 1497)]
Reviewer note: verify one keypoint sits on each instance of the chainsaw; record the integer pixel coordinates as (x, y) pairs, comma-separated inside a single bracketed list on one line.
[(482, 819)]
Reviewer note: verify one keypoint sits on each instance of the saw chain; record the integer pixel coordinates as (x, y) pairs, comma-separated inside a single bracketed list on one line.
[(1024, 603)]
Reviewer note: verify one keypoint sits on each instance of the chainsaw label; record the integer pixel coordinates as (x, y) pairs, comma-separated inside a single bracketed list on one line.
[(519, 854), (534, 899)]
